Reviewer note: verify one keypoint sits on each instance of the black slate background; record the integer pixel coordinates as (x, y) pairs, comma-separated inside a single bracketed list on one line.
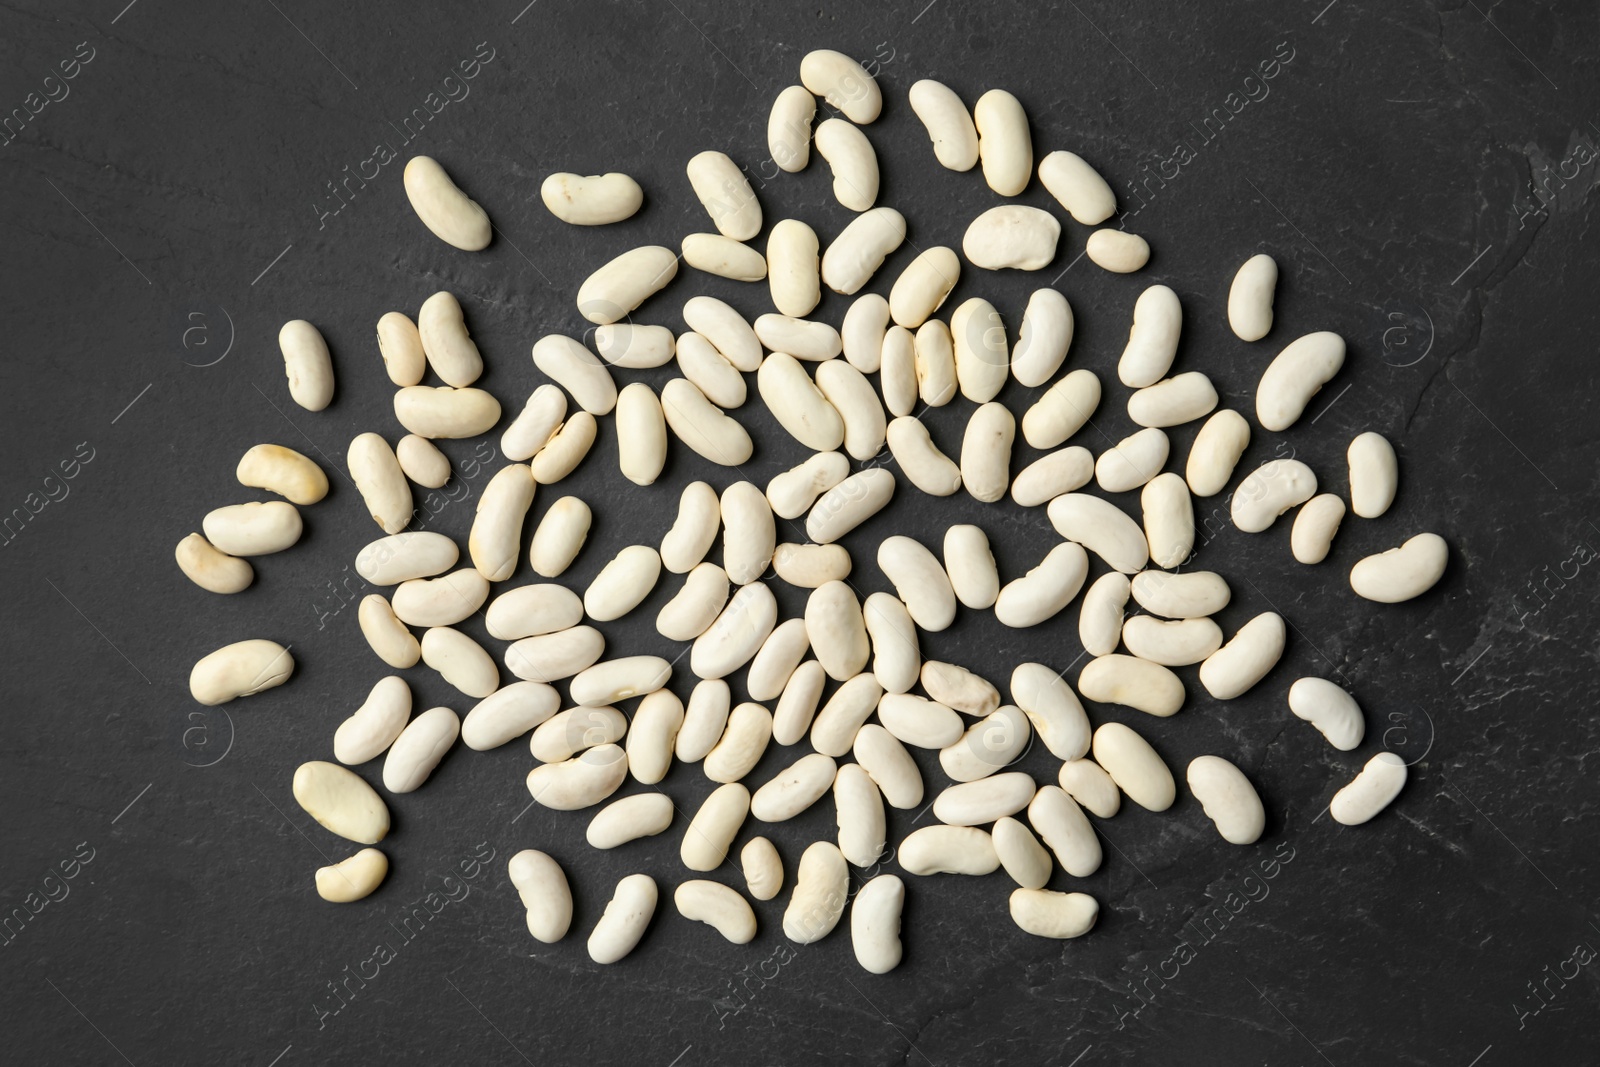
[(167, 215)]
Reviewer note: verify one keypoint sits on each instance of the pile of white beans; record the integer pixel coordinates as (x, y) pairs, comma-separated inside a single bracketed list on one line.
[(817, 381)]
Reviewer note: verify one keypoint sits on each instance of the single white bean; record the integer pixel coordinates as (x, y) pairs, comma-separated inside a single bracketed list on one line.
[(694, 530), (1153, 338), (626, 917), (804, 339), (865, 324), (444, 412), (855, 165), (1136, 683), (652, 735), (1087, 782), (495, 541), (352, 878), (725, 193), (460, 661), (1042, 343), (919, 580), (1053, 710), (1132, 461), (984, 801), (1401, 573), (576, 730), (970, 564), (1100, 617), (592, 200), (1237, 666), (986, 452), (1102, 528), (445, 341), (241, 669), (1134, 766), (724, 327), (897, 371), (736, 635), (641, 434), (541, 416), (993, 742), (920, 460), (949, 124), (797, 403), (741, 746), (896, 658), (701, 363), (797, 705), (1173, 401), (615, 680), (789, 131), (849, 504), (749, 534), (1216, 451), (386, 634), (381, 482), (923, 286), (1250, 297), (794, 268), (841, 718), (400, 345), (1269, 491), (419, 748), (696, 605), (843, 83), (341, 802), (775, 663), (856, 401), (1063, 409), (1020, 853), (762, 867), (307, 364), (508, 713), (1045, 590), (580, 782), (724, 257), (635, 345), (1012, 235), (704, 719), (1177, 643), (875, 924), (1046, 913), (1065, 829), (719, 907), (561, 456), (1048, 477), (1078, 187), (1228, 799), (577, 370), (1168, 519), (808, 566), (542, 886), (711, 832), (953, 684), (948, 850), (551, 657), (893, 770), (1374, 475), (1295, 376), (559, 537), (373, 727), (1005, 147), (1117, 251), (422, 461), (918, 721), (702, 425), (442, 601), (1312, 535), (858, 808), (821, 890), (210, 569), (283, 471), (451, 215), (794, 789), (837, 630), (1379, 782), (792, 493), (1181, 596), (259, 528), (1334, 712)]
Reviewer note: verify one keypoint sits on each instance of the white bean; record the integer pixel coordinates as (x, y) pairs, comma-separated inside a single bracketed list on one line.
[(577, 370), (1012, 235), (725, 193), (1132, 461), (1250, 297), (352, 878), (775, 663), (1004, 145), (1100, 617), (1238, 665), (865, 324), (634, 345), (1379, 782), (849, 392), (840, 720), (551, 657), (796, 706), (875, 924), (1134, 766), (1181, 596), (1312, 536), (241, 669), (1065, 828), (897, 371), (837, 630), (789, 129), (695, 606), (1216, 451), (1078, 187), (703, 426), (920, 460), (896, 659), (542, 886), (792, 493), (918, 721), (307, 364), (1063, 409), (923, 286), (627, 914), (400, 345), (422, 461), (797, 403), (559, 537), (986, 452), (1269, 491), (460, 661), (893, 770), (283, 471), (982, 802), (1401, 573), (1102, 528), (719, 907), (711, 832), (624, 283), (849, 504), (541, 416), (575, 730), (1052, 708), (821, 890), (444, 412), (794, 789), (1177, 643), (1173, 401), (614, 680), (1168, 519), (1046, 913), (386, 634), (641, 434), (808, 566), (794, 268), (858, 808), (1374, 475), (1087, 782), (704, 719), (383, 485), (566, 449), (804, 339), (1334, 712), (725, 328), (495, 541), (694, 530), (1042, 343), (701, 363), (952, 684), (736, 635), (211, 570), (1136, 683), (341, 802), (970, 564), (948, 850), (1153, 338), (373, 727), (919, 580), (762, 868), (993, 742), (1020, 853), (1295, 376), (419, 748), (1228, 799), (444, 209), (652, 735), (749, 534), (1117, 251), (854, 163), (259, 528), (724, 257), (442, 601), (508, 713), (843, 83), (949, 124), (580, 782), (445, 340), (593, 200), (1052, 475), (1045, 590)]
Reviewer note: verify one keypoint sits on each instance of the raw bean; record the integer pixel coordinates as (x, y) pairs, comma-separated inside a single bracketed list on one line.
[(1134, 766), (1272, 489), (919, 580), (893, 771), (496, 538), (980, 349), (749, 534), (1087, 782), (948, 850), (551, 657), (694, 529), (936, 363), (1153, 338), (918, 721), (1173, 401), (1216, 451), (958, 687), (1004, 145), (704, 719), (821, 889), (1063, 409), (726, 195), (538, 421), (852, 396), (1379, 782), (383, 485), (794, 789), (461, 661), (1250, 298), (860, 249), (254, 529), (841, 718), (641, 434), (386, 634), (1374, 475), (307, 364), (986, 452), (627, 914), (593, 200), (923, 286), (797, 403), (864, 326), (1053, 710), (775, 664), (241, 669), (652, 735), (1100, 618), (637, 346), (1135, 683), (1228, 798), (283, 471), (442, 601), (970, 564), (211, 570), (561, 456), (1102, 528), (1078, 187), (762, 867), (801, 338), (353, 878), (373, 727), (993, 742), (837, 631), (854, 163), (1171, 644), (1117, 251), (875, 924), (445, 412), (507, 714), (1012, 235), (984, 801), (341, 802), (1020, 853), (1312, 535), (719, 907), (1046, 913), (696, 606), (793, 492), (401, 347), (1046, 590), (614, 290), (711, 832), (1168, 519), (445, 341), (858, 807), (849, 504), (794, 268), (737, 634), (542, 886), (1050, 476), (742, 744), (808, 566), (920, 460), (1132, 461), (615, 680), (577, 370), (1334, 712), (789, 135), (559, 537), (419, 748), (1181, 596), (1295, 376), (1065, 828), (949, 125), (422, 461), (725, 328), (1042, 343), (1401, 573), (576, 730), (897, 372), (798, 702), (580, 782), (444, 209), (843, 83), (701, 363)]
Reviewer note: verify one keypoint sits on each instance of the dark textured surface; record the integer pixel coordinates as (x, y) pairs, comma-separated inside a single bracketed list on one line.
[(1422, 174)]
